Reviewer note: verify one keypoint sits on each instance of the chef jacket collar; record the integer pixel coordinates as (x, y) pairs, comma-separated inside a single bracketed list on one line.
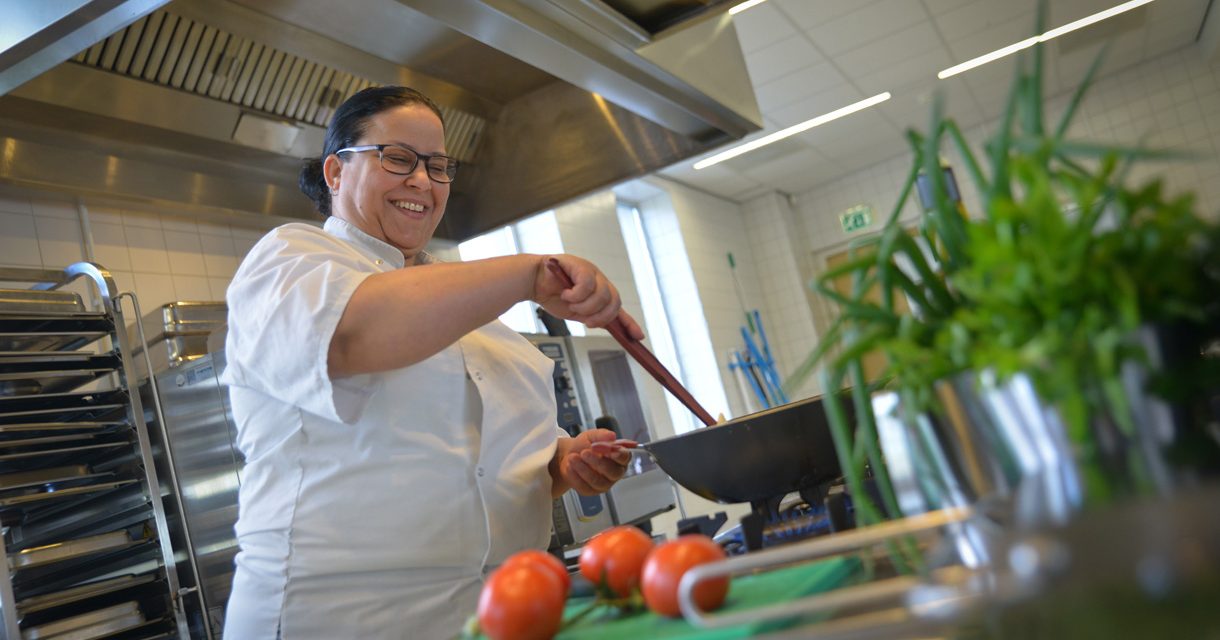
[(345, 230)]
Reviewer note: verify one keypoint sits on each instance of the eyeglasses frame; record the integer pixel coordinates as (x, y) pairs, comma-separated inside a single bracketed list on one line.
[(419, 157)]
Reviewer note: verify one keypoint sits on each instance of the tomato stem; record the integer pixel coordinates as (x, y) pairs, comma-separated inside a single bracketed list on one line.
[(470, 630), (570, 622)]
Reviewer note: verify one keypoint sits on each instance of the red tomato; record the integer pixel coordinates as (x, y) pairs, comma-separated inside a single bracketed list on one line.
[(542, 558), (521, 602), (666, 565), (614, 558)]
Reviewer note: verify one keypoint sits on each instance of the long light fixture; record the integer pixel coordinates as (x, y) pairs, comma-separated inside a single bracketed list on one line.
[(1029, 42), (738, 8), (793, 130)]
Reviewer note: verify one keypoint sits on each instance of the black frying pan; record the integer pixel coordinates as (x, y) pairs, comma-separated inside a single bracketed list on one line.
[(756, 457)]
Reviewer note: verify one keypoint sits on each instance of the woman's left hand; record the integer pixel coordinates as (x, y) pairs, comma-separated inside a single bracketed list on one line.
[(576, 466)]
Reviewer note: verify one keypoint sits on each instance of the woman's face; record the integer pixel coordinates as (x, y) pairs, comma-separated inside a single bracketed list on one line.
[(400, 210)]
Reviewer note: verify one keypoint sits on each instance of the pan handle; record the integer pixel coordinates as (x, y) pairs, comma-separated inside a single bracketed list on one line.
[(964, 583), (641, 354)]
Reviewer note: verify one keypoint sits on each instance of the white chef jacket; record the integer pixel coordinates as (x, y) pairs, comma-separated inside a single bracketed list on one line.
[(372, 506)]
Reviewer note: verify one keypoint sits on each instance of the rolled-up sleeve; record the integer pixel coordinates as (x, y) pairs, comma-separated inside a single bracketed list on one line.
[(284, 305)]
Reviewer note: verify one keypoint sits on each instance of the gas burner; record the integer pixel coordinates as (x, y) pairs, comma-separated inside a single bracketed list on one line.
[(796, 520), (788, 518)]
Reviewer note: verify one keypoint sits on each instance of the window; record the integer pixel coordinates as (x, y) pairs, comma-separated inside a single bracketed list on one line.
[(536, 234), (678, 334)]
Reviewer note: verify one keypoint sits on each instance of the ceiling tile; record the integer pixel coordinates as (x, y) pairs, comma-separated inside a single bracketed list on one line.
[(915, 72), (761, 26), (859, 157), (1177, 11), (1052, 84), (856, 157), (811, 13), (717, 179), (980, 15), (1070, 69), (861, 128), (913, 109), (1062, 13), (866, 24), (798, 85), (792, 163), (882, 52), (859, 48), (781, 58), (790, 149), (1084, 56), (798, 178), (1155, 48), (997, 73), (1171, 34), (990, 38), (823, 101), (938, 7), (991, 101)]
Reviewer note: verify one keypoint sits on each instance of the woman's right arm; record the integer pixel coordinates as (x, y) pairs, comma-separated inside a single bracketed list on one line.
[(401, 317)]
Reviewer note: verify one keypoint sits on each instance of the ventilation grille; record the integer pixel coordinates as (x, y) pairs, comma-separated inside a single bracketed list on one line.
[(183, 54)]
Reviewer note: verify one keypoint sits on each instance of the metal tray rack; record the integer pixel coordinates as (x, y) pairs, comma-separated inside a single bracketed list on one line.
[(86, 552)]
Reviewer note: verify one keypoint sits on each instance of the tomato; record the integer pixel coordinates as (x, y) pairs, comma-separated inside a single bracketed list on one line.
[(522, 601), (666, 565), (542, 558), (614, 558)]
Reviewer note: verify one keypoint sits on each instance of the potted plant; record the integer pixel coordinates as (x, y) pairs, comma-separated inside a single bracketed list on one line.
[(1070, 277)]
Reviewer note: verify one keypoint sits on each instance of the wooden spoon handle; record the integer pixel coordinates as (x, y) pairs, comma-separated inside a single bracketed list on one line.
[(642, 355)]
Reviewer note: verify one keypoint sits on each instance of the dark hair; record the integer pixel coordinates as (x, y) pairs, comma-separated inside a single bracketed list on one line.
[(350, 122)]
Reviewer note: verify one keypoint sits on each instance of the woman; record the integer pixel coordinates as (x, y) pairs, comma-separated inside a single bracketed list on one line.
[(399, 441)]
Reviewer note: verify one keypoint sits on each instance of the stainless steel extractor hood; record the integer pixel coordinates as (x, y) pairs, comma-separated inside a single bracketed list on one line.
[(210, 105)]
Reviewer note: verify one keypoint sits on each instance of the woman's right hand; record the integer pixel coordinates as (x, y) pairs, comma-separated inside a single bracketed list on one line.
[(591, 299)]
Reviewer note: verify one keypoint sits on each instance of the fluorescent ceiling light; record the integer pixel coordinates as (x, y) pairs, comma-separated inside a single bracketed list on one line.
[(793, 130), (1029, 42), (745, 5)]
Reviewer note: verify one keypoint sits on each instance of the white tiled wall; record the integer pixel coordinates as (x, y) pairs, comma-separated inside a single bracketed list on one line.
[(159, 256), (779, 252)]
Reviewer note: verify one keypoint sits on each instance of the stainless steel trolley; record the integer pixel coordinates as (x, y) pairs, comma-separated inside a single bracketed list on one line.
[(86, 551)]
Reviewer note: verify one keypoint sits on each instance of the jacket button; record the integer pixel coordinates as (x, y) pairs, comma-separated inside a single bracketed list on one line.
[(479, 471)]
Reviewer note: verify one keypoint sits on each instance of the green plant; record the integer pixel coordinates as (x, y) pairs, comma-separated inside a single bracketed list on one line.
[(1054, 279)]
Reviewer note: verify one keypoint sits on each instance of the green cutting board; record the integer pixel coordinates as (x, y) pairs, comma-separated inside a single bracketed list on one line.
[(745, 592)]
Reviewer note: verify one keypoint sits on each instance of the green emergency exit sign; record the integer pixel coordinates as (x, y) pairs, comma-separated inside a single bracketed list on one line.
[(856, 218)]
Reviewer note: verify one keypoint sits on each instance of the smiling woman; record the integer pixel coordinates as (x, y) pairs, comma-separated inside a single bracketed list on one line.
[(385, 192), (400, 441)]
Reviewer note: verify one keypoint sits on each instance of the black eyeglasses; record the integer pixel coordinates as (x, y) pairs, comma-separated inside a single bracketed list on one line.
[(402, 161)]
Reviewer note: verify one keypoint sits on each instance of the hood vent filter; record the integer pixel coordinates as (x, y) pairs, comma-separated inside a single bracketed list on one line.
[(187, 55)]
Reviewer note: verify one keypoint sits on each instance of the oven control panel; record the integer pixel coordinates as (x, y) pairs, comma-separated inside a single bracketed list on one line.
[(566, 403)]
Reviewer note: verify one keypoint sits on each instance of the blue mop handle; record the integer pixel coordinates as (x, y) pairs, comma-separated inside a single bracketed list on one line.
[(769, 376), (770, 363), (745, 371)]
